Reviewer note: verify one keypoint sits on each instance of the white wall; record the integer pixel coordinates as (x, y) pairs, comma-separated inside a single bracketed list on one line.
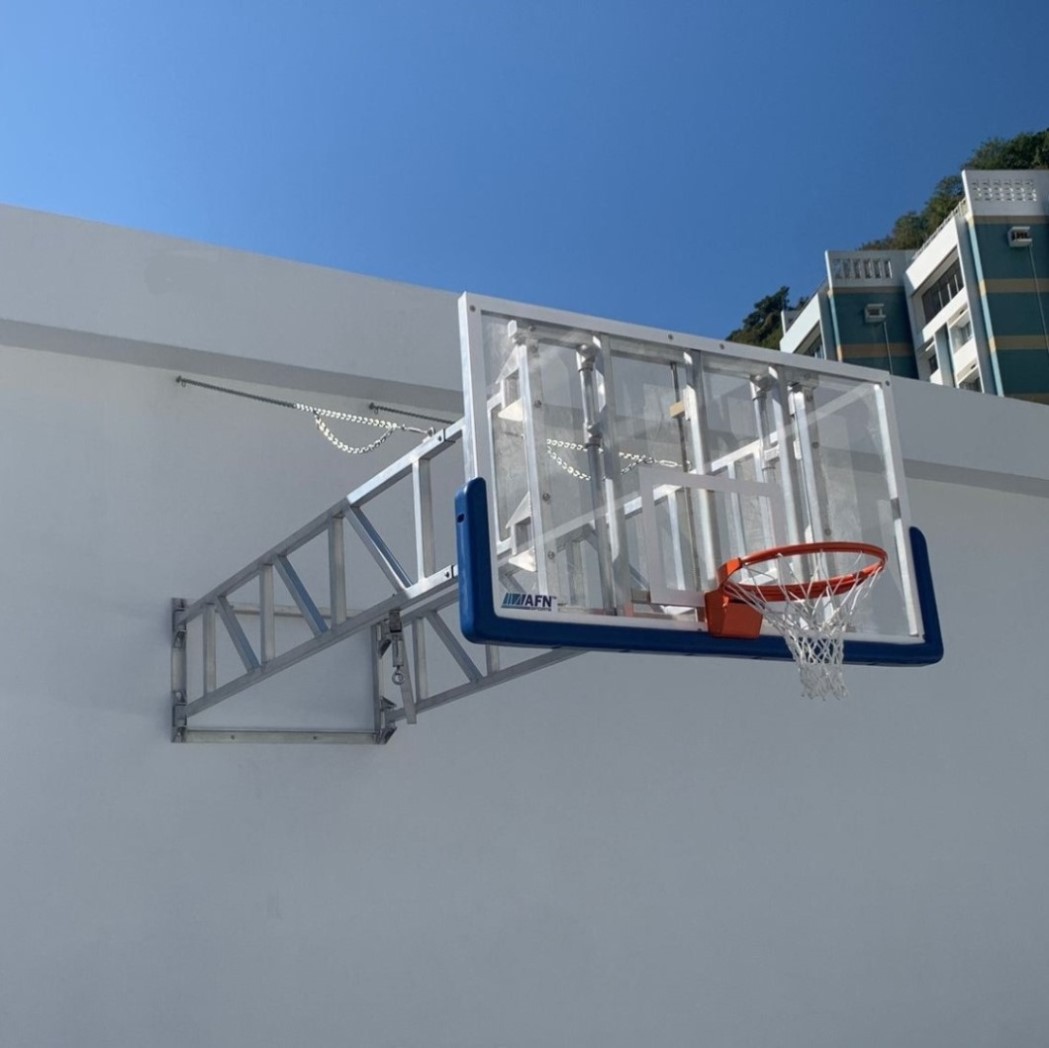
[(620, 850), (85, 288)]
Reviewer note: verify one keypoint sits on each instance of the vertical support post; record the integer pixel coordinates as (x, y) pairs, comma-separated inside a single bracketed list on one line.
[(605, 402), (419, 658), (897, 498), (683, 500), (425, 563), (178, 671), (267, 619), (378, 713), (694, 396), (492, 659), (337, 569), (675, 501), (574, 570), (802, 403), (422, 496), (586, 355), (763, 386), (739, 537), (529, 369), (210, 666)]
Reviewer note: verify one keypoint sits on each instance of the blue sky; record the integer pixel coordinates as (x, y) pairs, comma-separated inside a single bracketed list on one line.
[(660, 162)]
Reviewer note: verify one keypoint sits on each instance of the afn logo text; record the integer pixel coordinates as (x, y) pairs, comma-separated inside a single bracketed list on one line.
[(533, 601)]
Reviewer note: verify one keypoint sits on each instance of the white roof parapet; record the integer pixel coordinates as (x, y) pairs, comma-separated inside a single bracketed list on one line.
[(1007, 193), (865, 268)]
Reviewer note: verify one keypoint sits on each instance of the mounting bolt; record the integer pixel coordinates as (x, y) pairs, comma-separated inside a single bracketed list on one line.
[(537, 403), (551, 555), (546, 496)]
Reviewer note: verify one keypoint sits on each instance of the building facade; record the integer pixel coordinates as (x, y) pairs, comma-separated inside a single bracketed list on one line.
[(967, 309), (623, 849)]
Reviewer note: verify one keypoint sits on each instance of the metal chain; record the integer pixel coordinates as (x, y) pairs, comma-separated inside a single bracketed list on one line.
[(342, 416), (569, 469), (319, 414), (334, 440), (632, 459)]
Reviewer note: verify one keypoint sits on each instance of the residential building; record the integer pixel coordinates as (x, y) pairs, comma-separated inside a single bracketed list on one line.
[(967, 309), (859, 315)]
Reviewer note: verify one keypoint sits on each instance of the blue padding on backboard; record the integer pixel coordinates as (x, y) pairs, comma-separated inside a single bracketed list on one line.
[(481, 622)]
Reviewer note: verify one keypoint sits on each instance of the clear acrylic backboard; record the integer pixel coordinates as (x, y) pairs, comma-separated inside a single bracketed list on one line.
[(612, 470)]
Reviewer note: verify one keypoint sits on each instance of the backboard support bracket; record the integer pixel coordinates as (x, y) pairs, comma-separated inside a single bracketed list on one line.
[(403, 628)]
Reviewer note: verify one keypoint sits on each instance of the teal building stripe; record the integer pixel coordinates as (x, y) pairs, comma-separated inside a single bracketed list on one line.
[(999, 261), (1023, 371), (852, 327), (1017, 312), (852, 331), (902, 367)]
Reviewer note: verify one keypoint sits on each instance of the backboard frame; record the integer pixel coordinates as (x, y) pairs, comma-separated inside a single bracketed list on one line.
[(484, 619)]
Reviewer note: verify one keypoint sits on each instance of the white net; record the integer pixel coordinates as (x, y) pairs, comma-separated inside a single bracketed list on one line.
[(811, 597)]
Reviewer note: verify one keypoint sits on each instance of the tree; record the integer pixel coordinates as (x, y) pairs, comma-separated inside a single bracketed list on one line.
[(908, 233), (945, 198), (1022, 152), (762, 327), (1027, 150)]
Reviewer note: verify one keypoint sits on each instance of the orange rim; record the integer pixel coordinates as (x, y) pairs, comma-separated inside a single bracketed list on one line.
[(774, 593)]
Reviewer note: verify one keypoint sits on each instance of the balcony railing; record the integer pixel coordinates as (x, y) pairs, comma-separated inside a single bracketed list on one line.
[(961, 209)]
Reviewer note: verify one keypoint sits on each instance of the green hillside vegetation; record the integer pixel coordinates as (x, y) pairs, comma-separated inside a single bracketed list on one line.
[(1028, 150), (762, 327)]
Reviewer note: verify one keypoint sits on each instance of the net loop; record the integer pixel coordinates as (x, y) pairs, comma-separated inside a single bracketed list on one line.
[(810, 593)]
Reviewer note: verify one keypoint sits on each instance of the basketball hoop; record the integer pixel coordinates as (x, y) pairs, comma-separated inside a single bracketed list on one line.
[(809, 593)]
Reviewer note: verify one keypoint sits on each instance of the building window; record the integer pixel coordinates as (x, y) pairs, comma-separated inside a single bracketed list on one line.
[(928, 354), (942, 291), (814, 349), (971, 380), (961, 331)]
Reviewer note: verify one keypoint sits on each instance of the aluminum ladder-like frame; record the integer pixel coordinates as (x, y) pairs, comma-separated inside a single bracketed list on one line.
[(414, 606)]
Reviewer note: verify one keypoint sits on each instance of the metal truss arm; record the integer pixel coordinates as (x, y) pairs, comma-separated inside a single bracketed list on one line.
[(406, 627)]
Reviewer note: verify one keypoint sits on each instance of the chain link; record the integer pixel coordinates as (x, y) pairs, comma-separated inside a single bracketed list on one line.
[(342, 416), (569, 469), (334, 440), (632, 459)]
